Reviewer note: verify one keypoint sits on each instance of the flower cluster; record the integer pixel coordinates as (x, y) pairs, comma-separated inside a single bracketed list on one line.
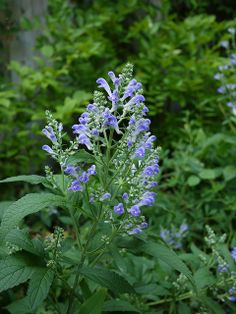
[(81, 177), (226, 74), (225, 287), (114, 128), (174, 236)]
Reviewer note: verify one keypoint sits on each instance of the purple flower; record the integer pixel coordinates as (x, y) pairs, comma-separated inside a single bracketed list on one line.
[(95, 132), (119, 209), (142, 125), (149, 170), (92, 170), (125, 196), (106, 196), (84, 178), (115, 80), (233, 253), (75, 186), (135, 100), (232, 298), (79, 129), (70, 170), (92, 107), (148, 198), (135, 211), (83, 139), (102, 83), (48, 131), (144, 225), (135, 231), (183, 228), (140, 152), (221, 90), (224, 44), (47, 149), (222, 268), (153, 184)]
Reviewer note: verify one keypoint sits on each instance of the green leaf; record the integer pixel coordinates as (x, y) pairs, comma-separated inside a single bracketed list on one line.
[(208, 174), (119, 306), (13, 271), (169, 257), (28, 204), (39, 286), (107, 278), (212, 305), (47, 50), (193, 180), (19, 307), (81, 156), (4, 206), (203, 278), (21, 239), (32, 179), (94, 304), (229, 173)]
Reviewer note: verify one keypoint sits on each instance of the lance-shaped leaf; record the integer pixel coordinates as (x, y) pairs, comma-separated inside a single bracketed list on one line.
[(32, 179), (169, 257), (28, 204), (106, 278), (39, 286)]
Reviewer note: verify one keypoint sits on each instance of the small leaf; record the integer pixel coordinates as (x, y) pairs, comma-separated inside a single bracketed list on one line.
[(204, 278), (28, 204), (119, 306), (47, 50), (107, 278), (193, 180), (169, 257), (32, 179), (81, 156), (208, 174), (229, 173), (39, 286), (94, 304), (13, 271)]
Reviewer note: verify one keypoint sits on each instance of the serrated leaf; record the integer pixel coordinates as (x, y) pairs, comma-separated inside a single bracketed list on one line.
[(94, 304), (4, 206), (39, 286), (119, 306), (107, 278), (28, 204), (204, 278), (21, 239), (32, 179), (13, 271), (193, 180), (169, 257)]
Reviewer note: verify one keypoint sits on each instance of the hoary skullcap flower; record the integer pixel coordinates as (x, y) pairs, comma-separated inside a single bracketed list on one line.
[(115, 130)]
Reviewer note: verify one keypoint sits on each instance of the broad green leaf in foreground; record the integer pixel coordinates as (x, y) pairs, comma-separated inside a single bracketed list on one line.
[(109, 279), (169, 257), (39, 286), (13, 271), (94, 304), (32, 179), (28, 204)]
